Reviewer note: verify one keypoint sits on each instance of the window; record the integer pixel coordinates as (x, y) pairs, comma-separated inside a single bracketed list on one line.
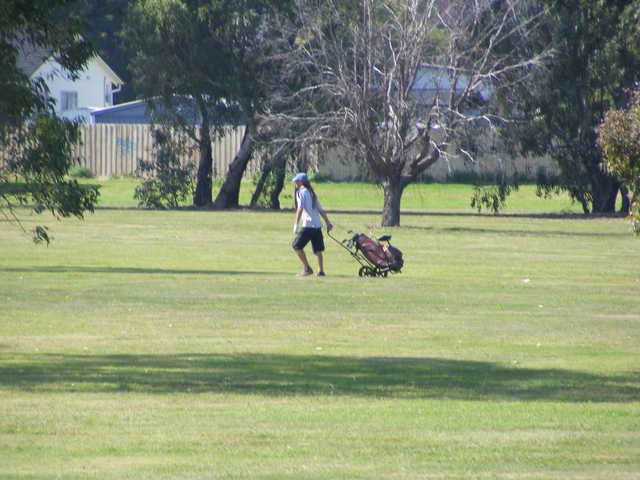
[(68, 101), (108, 95)]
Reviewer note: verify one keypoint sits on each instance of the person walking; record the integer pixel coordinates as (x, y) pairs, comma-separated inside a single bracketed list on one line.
[(307, 225)]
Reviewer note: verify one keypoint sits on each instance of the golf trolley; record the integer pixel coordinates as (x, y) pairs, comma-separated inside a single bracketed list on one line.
[(375, 259)]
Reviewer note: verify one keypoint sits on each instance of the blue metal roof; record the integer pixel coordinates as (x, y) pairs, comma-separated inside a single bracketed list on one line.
[(139, 111), (130, 112)]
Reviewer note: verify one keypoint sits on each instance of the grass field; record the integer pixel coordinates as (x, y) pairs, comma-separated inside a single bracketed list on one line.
[(180, 345)]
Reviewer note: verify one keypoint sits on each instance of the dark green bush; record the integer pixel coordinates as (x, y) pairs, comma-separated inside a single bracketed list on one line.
[(168, 182)]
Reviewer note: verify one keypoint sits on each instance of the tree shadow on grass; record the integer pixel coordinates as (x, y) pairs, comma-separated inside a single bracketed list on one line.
[(289, 375), (151, 271), (130, 270)]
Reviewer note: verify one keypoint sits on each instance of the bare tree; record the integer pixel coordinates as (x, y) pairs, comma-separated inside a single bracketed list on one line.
[(397, 80)]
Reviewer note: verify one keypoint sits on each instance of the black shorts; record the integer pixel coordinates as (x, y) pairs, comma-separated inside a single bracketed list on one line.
[(309, 234)]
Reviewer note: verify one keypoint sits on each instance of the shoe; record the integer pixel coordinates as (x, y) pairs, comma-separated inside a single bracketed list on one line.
[(305, 273), (320, 274)]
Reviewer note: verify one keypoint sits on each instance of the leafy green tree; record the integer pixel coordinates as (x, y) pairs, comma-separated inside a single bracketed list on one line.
[(167, 181), (596, 56), (36, 146), (203, 59), (619, 138), (252, 41), (105, 21), (179, 65)]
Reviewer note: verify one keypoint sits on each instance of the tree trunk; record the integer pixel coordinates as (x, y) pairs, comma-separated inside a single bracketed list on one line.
[(393, 189), (229, 194), (605, 192), (625, 207), (276, 167), (203, 195), (279, 172), (266, 170), (586, 207)]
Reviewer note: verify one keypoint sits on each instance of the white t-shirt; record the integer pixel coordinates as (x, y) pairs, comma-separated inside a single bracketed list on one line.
[(310, 217)]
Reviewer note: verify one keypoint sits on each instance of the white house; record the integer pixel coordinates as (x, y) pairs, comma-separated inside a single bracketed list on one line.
[(94, 87)]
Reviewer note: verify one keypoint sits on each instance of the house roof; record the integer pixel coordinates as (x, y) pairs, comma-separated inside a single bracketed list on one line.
[(132, 105), (114, 76), (130, 112), (140, 111), (31, 57)]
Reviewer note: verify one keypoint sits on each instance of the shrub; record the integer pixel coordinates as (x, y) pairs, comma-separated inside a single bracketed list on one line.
[(318, 177), (80, 172), (167, 181), (619, 138)]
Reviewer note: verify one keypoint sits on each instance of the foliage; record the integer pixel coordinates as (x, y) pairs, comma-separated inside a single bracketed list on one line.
[(255, 59), (169, 183), (80, 172), (37, 147), (397, 83), (35, 26), (202, 60), (596, 56), (267, 180), (179, 60), (492, 197), (105, 20), (619, 138), (42, 153), (635, 216)]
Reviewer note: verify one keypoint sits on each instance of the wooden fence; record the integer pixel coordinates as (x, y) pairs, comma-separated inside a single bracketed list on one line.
[(337, 165), (117, 149)]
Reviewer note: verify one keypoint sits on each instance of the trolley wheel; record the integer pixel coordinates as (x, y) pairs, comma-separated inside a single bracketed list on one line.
[(366, 272)]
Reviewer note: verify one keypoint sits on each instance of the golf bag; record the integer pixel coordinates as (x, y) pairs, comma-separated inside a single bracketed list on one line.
[(375, 258)]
